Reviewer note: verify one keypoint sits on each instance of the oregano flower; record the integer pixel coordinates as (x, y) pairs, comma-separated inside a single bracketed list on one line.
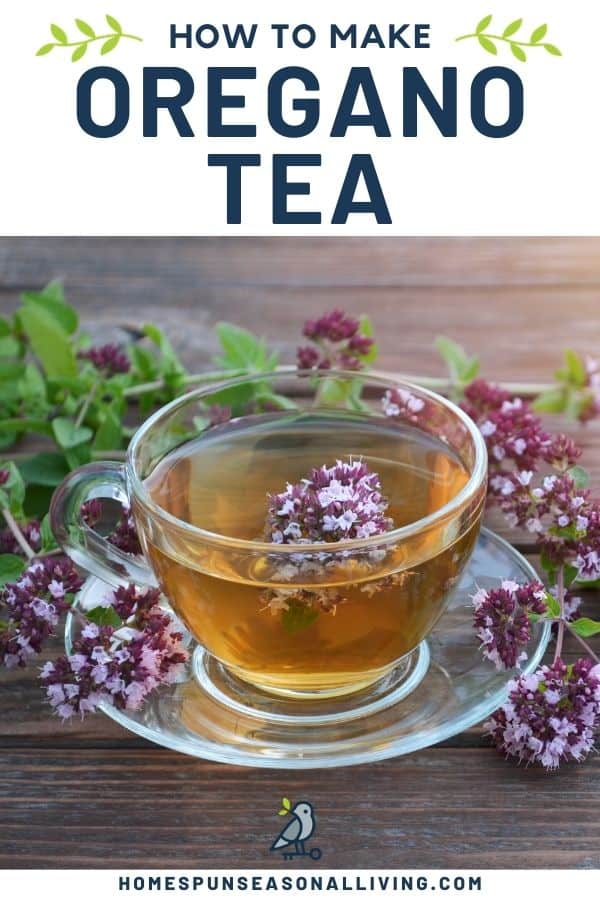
[(501, 620), (333, 503), (31, 606), (551, 716), (117, 664), (337, 343)]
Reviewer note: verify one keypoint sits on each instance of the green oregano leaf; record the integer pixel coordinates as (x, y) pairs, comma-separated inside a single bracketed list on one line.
[(552, 605), (109, 434), (462, 368), (48, 340), (585, 627), (52, 299), (104, 615), (298, 616), (47, 535), (367, 330), (553, 400), (69, 435), (13, 489), (11, 568), (47, 469), (580, 476)]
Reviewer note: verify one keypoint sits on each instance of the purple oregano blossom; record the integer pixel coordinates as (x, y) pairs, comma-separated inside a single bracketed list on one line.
[(550, 716), (108, 359), (124, 536), (502, 622), (337, 343), (342, 502), (31, 606), (120, 666), (30, 531), (513, 434)]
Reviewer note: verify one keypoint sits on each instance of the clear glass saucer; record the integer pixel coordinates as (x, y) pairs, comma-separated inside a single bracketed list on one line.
[(444, 688)]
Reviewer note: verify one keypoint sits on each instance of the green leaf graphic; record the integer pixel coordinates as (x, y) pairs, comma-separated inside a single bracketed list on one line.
[(512, 28), (488, 45), (59, 34), (116, 26), (488, 39), (85, 28), (110, 44), (79, 47)]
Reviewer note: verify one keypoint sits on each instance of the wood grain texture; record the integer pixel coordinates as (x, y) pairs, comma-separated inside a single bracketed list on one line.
[(91, 794)]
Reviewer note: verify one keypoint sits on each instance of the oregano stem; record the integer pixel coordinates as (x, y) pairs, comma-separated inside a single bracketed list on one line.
[(560, 590), (443, 385), (86, 404), (137, 390), (583, 643), (17, 533)]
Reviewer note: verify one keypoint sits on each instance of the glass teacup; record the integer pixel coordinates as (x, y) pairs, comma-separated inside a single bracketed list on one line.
[(292, 617)]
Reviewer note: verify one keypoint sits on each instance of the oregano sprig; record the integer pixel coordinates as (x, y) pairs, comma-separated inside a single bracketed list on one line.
[(110, 40), (509, 35)]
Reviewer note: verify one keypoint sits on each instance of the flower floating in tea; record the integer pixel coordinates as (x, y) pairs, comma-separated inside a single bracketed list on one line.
[(338, 503)]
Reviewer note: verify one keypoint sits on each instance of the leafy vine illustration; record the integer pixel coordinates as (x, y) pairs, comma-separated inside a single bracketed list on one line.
[(110, 40), (509, 36)]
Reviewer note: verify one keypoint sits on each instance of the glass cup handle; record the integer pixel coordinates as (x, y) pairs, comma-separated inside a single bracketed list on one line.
[(87, 548)]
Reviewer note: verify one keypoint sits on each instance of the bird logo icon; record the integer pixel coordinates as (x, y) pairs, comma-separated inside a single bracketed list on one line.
[(299, 829)]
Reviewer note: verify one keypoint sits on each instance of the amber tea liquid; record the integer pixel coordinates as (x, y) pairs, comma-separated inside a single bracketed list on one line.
[(236, 607)]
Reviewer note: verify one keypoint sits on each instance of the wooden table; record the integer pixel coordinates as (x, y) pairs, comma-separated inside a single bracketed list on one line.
[(92, 794)]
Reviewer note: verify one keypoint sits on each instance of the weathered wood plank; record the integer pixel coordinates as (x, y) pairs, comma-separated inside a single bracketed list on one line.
[(328, 262), (443, 808), (517, 302)]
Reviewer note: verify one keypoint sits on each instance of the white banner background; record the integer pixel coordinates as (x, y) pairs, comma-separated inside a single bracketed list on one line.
[(58, 180), (495, 884)]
